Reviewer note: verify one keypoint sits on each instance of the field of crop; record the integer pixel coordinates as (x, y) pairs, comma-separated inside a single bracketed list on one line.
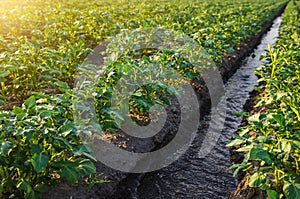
[(43, 44), (272, 152)]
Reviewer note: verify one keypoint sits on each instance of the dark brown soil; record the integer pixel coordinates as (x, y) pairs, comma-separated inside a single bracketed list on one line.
[(243, 191), (235, 59), (106, 190)]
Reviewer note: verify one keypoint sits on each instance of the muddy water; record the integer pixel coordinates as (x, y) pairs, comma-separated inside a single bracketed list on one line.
[(190, 176)]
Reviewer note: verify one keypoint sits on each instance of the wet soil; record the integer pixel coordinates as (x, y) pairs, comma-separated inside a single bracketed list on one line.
[(243, 190), (188, 177), (191, 177)]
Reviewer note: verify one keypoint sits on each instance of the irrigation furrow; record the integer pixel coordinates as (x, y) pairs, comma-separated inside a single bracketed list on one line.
[(191, 177)]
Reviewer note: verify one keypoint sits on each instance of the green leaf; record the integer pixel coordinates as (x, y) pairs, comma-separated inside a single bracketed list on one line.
[(165, 100), (235, 142), (116, 113), (242, 113), (237, 168), (279, 118), (45, 114), (5, 147), (69, 171), (260, 154), (85, 167), (55, 72), (63, 86), (83, 150), (18, 110), (243, 132), (4, 73), (39, 161), (286, 146), (245, 148), (273, 194), (254, 118), (29, 193), (66, 142), (21, 116), (257, 180), (143, 102), (191, 75), (42, 188), (2, 102), (291, 190), (4, 115), (30, 102), (296, 144), (65, 130), (36, 148)]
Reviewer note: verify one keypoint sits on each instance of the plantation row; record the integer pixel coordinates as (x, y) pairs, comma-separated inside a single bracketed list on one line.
[(45, 41), (42, 45), (272, 152)]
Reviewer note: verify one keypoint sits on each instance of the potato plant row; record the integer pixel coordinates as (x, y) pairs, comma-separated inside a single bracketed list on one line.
[(272, 152), (45, 41), (42, 45)]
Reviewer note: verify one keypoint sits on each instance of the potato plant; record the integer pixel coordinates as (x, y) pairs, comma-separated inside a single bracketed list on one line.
[(42, 41), (272, 156), (40, 147), (142, 99)]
